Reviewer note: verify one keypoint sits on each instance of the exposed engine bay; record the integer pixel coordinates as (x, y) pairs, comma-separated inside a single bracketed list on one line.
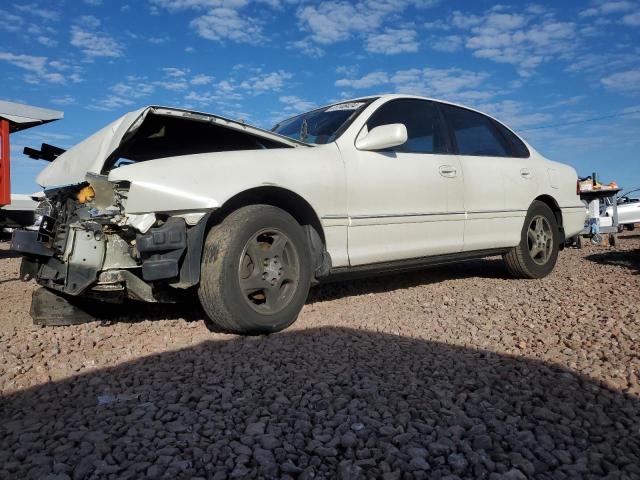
[(83, 243)]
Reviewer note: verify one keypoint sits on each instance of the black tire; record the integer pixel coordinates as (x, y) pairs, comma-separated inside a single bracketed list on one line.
[(521, 260), (226, 258), (579, 242), (613, 239), (629, 227)]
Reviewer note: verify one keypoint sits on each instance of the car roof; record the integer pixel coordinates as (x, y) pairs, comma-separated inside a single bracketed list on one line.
[(394, 96)]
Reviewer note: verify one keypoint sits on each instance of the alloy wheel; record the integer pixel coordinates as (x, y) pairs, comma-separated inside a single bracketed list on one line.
[(269, 271)]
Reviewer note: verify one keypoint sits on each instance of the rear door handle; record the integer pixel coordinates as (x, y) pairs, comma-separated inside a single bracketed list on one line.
[(448, 171), (525, 173)]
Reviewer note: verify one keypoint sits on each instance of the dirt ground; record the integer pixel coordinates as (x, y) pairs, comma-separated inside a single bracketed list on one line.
[(451, 372)]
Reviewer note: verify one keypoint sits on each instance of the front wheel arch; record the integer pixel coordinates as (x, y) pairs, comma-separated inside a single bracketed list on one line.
[(287, 200)]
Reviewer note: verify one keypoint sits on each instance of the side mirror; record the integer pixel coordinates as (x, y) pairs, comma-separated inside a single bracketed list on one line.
[(384, 136)]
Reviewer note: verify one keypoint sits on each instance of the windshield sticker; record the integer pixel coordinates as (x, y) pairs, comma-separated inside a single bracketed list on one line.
[(345, 106)]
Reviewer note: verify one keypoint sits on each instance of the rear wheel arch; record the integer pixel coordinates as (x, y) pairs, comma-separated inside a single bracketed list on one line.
[(557, 212)]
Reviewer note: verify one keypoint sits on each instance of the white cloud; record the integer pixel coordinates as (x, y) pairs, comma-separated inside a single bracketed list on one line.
[(124, 94), (626, 82), (632, 19), (617, 6), (331, 22), (372, 79), (93, 43), (515, 114), (335, 21), (201, 79), (38, 11), (266, 82), (175, 72), (306, 47), (26, 62), (46, 41), (296, 104), (221, 20), (393, 41), (10, 22), (175, 86), (177, 5), (64, 100), (454, 84), (227, 24), (448, 43), (524, 40)]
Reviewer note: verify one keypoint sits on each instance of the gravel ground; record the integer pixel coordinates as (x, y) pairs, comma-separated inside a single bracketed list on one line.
[(453, 372)]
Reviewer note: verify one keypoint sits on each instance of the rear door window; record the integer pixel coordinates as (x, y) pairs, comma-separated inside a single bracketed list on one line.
[(474, 133)]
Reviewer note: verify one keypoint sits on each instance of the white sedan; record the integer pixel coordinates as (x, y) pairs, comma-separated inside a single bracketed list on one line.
[(628, 209), (164, 199)]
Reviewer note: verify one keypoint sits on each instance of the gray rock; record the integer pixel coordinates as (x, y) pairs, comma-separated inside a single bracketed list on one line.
[(348, 440), (458, 462), (482, 442), (255, 428), (437, 448), (348, 471), (514, 474), (269, 442), (418, 463)]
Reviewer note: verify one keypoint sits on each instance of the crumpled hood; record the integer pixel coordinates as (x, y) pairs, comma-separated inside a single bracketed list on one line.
[(89, 156)]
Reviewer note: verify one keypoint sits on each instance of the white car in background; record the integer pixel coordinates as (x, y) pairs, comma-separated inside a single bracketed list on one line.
[(164, 199), (19, 213), (628, 209)]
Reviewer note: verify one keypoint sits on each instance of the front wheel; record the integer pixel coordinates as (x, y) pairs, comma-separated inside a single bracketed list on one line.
[(256, 271), (537, 253)]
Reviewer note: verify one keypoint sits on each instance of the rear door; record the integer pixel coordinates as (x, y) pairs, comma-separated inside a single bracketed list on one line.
[(405, 202), (496, 187)]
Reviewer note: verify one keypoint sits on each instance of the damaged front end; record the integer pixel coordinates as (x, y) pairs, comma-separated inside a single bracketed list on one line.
[(83, 243)]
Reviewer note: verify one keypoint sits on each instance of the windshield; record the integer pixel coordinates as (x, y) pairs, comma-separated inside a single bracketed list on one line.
[(323, 125)]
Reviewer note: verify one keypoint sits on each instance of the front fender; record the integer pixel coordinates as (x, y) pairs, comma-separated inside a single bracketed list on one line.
[(204, 182)]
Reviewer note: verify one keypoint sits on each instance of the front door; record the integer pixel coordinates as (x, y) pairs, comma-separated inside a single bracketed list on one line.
[(405, 202)]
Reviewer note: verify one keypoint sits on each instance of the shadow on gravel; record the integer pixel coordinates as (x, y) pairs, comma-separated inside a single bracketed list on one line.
[(629, 259), (323, 403), (8, 254)]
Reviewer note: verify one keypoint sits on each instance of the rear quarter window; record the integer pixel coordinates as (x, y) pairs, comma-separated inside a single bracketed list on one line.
[(516, 147)]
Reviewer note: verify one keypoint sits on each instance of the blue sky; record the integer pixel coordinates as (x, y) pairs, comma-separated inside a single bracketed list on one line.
[(529, 64)]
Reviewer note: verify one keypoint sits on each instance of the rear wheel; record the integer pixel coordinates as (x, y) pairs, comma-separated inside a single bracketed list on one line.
[(256, 271), (537, 253)]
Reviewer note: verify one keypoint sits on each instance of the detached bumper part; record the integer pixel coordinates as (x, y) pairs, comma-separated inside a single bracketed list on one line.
[(161, 250), (28, 242), (52, 309)]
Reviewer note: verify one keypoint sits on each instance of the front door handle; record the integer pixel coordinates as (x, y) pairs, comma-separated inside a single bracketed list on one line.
[(525, 173), (448, 171)]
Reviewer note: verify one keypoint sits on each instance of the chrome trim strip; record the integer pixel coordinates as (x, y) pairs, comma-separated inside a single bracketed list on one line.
[(402, 215), (495, 211), (335, 217)]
